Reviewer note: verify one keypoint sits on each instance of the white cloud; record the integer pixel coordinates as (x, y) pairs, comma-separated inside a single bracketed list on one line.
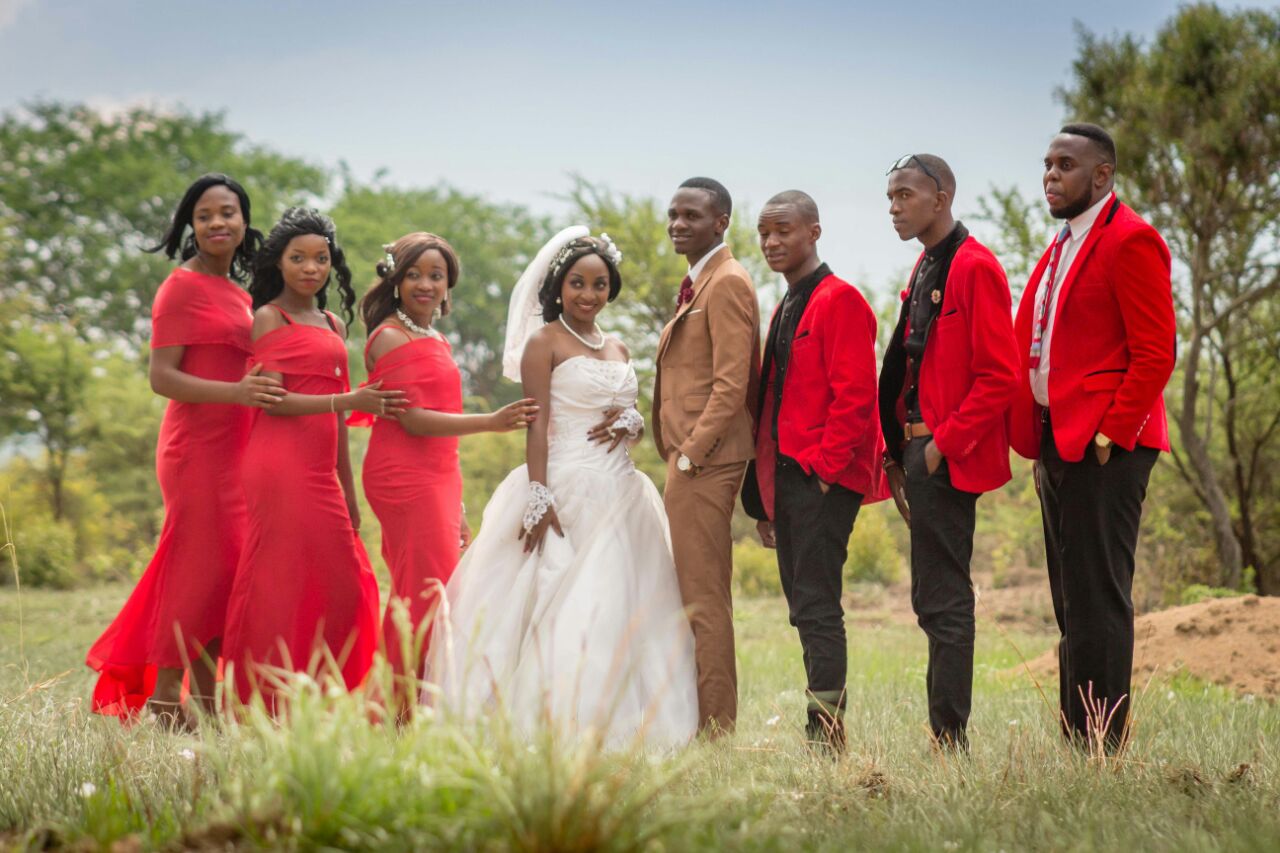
[(9, 10)]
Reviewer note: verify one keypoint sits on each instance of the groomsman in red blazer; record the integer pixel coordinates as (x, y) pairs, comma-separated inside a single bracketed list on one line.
[(817, 446), (1095, 332), (949, 375)]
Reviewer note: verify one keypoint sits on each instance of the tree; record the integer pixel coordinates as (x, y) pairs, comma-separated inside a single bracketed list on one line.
[(1196, 117), (493, 242), (84, 193), (651, 270), (45, 374)]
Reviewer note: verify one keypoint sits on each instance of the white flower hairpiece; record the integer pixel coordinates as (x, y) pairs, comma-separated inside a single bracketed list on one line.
[(388, 260), (609, 250)]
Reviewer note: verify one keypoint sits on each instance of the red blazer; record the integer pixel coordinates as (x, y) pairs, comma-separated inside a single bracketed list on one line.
[(969, 375), (1112, 351), (829, 420)]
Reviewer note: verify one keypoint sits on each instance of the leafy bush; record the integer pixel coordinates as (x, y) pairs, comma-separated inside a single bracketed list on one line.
[(46, 552), (755, 570), (1198, 592), (874, 556)]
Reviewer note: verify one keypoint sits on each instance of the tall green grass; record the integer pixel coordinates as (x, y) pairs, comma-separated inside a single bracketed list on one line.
[(1200, 775)]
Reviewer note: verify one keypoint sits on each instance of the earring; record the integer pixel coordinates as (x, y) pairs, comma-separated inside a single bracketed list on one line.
[(557, 300)]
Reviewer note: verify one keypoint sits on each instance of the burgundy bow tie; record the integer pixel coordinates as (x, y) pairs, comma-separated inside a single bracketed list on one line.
[(686, 292)]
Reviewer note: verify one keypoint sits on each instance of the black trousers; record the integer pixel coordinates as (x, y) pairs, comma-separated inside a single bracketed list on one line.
[(812, 531), (942, 521), (1091, 514)]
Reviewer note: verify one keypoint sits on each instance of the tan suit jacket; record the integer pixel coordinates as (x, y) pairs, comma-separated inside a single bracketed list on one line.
[(709, 369)]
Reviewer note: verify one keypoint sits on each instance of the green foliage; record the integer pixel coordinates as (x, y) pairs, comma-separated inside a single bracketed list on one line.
[(1196, 117), (874, 556), (755, 570), (494, 242), (1197, 592), (86, 191), (1201, 774), (46, 554), (651, 270), (45, 374), (1020, 235)]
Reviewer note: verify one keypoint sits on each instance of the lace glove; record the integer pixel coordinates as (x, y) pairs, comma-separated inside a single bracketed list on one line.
[(630, 421), (540, 500)]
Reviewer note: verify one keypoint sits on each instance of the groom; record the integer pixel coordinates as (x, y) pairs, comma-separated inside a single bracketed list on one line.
[(708, 367)]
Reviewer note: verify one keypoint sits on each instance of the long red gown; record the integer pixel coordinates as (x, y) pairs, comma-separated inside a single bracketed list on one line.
[(180, 602), (304, 591), (414, 484)]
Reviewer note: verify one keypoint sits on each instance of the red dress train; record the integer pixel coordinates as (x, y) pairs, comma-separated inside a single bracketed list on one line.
[(414, 484), (304, 590), (180, 602)]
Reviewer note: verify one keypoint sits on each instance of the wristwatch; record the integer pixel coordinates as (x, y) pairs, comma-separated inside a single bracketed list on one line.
[(684, 463), (1102, 441)]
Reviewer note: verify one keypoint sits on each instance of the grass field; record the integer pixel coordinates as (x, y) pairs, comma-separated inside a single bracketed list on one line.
[(1201, 774)]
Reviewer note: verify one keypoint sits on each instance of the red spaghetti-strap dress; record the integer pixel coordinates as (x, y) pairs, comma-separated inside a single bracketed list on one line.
[(414, 484), (305, 596), (180, 602)]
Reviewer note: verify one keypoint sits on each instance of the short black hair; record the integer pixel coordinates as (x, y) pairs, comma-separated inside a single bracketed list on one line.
[(800, 200), (720, 198), (172, 243), (572, 252), (1100, 138)]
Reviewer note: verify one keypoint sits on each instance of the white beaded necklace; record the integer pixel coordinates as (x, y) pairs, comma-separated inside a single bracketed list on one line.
[(414, 327), (586, 343)]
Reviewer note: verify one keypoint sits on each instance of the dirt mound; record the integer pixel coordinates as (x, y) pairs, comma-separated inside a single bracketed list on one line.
[(1233, 642)]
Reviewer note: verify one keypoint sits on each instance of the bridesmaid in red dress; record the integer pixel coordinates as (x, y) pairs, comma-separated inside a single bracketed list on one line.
[(304, 599), (411, 473), (171, 626)]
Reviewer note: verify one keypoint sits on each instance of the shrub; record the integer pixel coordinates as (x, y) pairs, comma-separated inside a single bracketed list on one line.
[(46, 552), (874, 557), (755, 570)]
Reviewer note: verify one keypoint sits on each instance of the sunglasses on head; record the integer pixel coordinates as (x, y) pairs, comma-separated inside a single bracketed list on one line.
[(906, 160)]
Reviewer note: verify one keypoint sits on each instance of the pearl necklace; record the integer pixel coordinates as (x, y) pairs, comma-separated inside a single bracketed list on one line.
[(427, 332), (586, 343)]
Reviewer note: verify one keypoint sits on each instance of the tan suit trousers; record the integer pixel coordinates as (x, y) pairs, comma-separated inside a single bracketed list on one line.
[(700, 510)]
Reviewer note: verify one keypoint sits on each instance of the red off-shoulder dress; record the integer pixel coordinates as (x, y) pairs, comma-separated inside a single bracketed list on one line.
[(180, 602), (414, 484), (305, 596)]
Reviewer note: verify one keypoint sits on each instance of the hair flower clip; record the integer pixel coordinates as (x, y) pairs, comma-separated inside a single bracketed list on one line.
[(388, 260), (611, 249)]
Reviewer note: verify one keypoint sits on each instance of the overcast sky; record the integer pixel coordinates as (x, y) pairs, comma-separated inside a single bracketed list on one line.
[(506, 99)]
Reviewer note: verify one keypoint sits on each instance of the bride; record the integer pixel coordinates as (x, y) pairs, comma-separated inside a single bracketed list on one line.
[(565, 609)]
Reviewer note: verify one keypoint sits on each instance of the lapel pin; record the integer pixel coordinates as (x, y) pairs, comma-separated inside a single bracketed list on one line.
[(935, 296)]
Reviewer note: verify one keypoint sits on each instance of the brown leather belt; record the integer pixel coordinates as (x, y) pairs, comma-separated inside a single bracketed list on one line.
[(915, 430)]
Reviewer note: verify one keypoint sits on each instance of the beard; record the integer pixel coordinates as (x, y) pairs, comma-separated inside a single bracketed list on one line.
[(1073, 208)]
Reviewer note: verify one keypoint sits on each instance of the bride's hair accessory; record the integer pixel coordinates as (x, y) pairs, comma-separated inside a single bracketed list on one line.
[(603, 244), (524, 314), (540, 500), (631, 421), (388, 261)]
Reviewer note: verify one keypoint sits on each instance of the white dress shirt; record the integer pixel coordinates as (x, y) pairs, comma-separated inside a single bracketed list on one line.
[(696, 269), (1080, 227)]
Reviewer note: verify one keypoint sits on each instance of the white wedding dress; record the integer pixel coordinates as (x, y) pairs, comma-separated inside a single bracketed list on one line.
[(590, 634)]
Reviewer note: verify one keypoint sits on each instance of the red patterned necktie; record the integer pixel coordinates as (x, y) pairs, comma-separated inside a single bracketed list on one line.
[(1042, 310), (686, 292)]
